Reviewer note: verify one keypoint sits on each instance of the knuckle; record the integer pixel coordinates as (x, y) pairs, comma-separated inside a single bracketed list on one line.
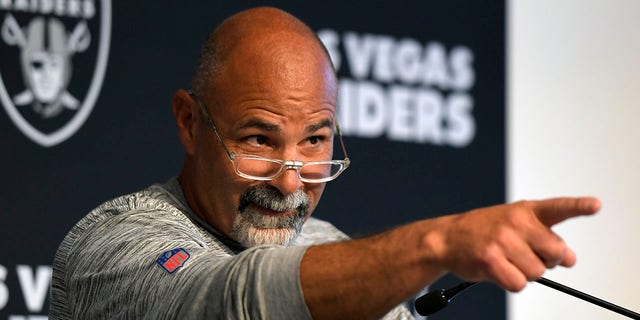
[(520, 216), (503, 236), (518, 220), (556, 251), (514, 283), (523, 204), (489, 257), (518, 286), (537, 272), (551, 263)]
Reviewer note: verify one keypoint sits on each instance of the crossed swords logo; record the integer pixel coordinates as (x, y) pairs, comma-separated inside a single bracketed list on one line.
[(46, 50)]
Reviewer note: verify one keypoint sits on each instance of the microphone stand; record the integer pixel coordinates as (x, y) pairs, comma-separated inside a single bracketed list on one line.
[(436, 300)]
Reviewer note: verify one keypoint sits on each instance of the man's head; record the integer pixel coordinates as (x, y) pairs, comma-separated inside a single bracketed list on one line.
[(268, 84)]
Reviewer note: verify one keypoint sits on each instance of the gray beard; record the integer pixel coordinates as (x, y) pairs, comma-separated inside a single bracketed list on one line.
[(252, 228)]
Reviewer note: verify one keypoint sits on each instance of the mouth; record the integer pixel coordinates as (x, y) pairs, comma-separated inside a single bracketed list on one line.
[(266, 217), (271, 212)]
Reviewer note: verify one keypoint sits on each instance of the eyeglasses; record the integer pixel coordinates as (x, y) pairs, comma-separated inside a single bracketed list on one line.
[(264, 169)]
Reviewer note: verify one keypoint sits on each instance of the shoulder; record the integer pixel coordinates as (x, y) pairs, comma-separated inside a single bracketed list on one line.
[(152, 205), (150, 217)]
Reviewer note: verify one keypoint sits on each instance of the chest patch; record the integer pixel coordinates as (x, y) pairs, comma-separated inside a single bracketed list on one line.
[(171, 260)]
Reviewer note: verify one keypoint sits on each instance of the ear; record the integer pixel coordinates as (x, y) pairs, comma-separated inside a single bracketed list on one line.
[(186, 120)]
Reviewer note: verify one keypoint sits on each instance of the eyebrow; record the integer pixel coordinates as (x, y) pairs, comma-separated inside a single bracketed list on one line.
[(256, 123), (326, 123)]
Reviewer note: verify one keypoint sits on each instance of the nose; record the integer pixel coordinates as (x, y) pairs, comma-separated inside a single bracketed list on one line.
[(288, 181)]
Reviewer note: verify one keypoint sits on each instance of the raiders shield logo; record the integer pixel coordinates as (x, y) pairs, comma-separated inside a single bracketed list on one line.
[(54, 56)]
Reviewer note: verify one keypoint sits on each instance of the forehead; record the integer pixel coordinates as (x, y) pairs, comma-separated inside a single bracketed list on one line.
[(281, 72)]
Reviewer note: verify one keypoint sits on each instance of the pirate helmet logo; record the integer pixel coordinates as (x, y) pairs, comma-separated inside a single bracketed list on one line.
[(44, 109)]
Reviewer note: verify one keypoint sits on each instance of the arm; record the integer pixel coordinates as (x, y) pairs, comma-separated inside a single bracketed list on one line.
[(508, 244), (110, 271)]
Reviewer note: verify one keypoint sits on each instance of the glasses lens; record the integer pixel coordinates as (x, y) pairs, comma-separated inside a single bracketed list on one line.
[(261, 168), (320, 171), (266, 169)]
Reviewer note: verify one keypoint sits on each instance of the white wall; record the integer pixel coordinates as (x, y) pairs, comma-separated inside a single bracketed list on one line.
[(574, 129)]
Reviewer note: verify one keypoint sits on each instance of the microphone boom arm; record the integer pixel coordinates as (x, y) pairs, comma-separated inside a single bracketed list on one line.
[(588, 298), (435, 301)]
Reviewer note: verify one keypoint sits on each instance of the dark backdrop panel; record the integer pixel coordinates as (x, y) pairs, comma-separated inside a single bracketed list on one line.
[(128, 140)]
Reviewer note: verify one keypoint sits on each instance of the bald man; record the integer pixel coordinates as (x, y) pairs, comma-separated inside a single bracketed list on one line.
[(232, 236)]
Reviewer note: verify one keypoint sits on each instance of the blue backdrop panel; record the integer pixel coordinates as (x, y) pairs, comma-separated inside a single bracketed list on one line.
[(86, 88)]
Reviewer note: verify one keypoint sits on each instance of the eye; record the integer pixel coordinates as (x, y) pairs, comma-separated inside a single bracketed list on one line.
[(257, 140), (315, 140), (37, 64)]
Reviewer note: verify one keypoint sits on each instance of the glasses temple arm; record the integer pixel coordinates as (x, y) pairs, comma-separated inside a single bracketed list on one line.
[(344, 150), (212, 125)]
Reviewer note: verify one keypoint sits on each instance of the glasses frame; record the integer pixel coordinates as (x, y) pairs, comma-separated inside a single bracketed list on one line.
[(284, 164)]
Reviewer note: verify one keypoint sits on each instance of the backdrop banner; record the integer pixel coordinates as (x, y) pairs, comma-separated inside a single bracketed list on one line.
[(86, 89)]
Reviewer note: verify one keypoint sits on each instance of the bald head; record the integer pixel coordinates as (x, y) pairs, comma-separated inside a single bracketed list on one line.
[(254, 30)]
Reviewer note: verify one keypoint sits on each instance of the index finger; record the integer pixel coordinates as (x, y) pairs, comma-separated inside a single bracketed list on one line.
[(555, 210)]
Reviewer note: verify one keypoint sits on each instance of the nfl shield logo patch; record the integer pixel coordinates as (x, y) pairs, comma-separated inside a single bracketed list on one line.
[(171, 260)]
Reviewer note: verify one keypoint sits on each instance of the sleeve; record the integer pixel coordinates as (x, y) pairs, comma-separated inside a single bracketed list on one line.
[(135, 267)]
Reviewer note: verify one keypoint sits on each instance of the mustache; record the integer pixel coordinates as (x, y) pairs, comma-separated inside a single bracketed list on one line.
[(269, 197)]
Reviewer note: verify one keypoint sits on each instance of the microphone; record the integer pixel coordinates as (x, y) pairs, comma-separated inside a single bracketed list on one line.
[(435, 301)]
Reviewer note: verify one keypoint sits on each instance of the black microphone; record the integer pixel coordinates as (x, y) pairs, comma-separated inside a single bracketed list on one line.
[(435, 301)]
